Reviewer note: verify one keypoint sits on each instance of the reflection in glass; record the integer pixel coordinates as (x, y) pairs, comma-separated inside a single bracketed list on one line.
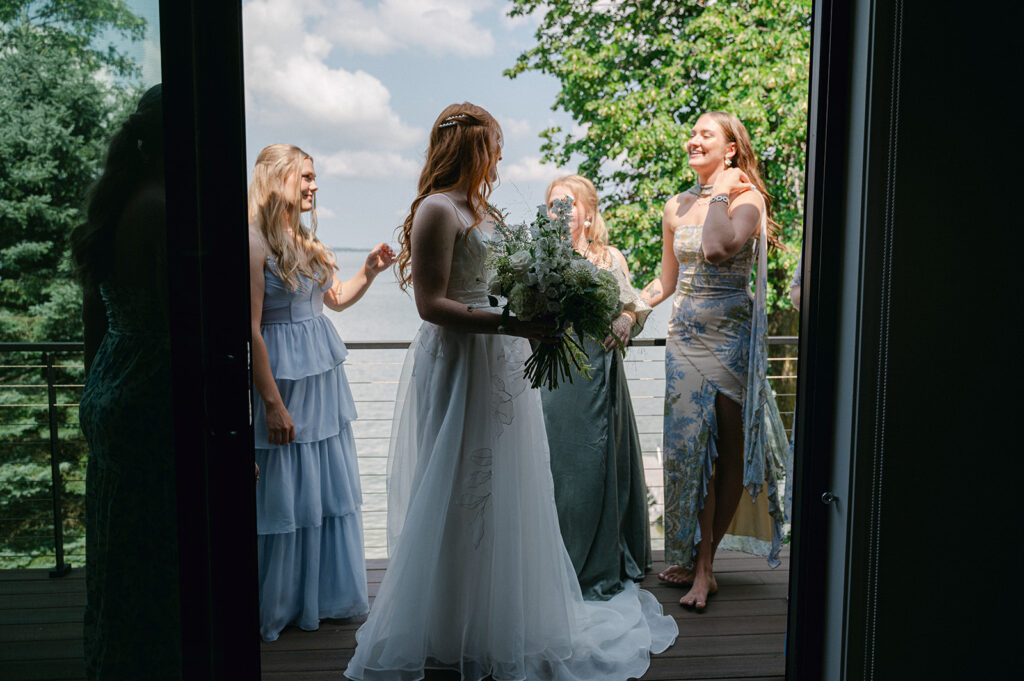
[(71, 73), (131, 523)]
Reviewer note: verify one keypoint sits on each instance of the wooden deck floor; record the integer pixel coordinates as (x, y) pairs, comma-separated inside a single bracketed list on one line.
[(740, 636)]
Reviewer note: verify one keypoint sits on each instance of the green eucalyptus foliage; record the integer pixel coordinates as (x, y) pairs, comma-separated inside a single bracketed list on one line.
[(635, 75), (63, 91)]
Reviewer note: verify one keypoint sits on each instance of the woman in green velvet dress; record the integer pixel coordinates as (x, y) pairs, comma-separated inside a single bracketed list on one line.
[(596, 462)]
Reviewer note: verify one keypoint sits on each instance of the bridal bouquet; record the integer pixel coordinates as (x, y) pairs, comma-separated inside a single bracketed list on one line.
[(542, 277)]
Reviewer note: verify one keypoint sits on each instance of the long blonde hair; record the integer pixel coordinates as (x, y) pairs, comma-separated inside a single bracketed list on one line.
[(583, 190), (747, 161), (273, 215), (460, 153)]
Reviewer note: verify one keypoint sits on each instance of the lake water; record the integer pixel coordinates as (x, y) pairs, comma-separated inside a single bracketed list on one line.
[(385, 313)]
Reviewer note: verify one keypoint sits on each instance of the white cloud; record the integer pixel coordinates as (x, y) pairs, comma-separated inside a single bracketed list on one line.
[(436, 26), (367, 164), (289, 83), (516, 127), (579, 131), (529, 169), (325, 212)]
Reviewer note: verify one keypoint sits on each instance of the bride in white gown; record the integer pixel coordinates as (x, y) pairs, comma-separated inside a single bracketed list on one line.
[(479, 580)]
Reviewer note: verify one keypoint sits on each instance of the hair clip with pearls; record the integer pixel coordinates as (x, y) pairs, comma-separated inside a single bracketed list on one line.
[(451, 120)]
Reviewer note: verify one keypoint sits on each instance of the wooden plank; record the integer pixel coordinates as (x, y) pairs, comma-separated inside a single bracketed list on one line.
[(715, 667), (737, 609), (741, 644), (302, 661), (44, 670), (53, 649), (40, 615), (41, 631), (21, 601), (772, 577), (73, 583), (313, 642), (740, 636), (731, 626), (28, 574), (732, 592), (730, 668)]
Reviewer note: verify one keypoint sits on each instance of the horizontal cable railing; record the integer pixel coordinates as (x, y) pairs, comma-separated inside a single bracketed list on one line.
[(43, 452)]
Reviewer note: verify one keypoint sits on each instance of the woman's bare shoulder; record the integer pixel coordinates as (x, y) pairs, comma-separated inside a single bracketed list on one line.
[(678, 204), (436, 212)]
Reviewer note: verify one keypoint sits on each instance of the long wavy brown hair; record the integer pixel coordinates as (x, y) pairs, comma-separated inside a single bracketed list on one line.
[(747, 161), (294, 246), (461, 153)]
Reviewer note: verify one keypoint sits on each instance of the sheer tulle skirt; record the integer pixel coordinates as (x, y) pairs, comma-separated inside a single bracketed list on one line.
[(479, 580)]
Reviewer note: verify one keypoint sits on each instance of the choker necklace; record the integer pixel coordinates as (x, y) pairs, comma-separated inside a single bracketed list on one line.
[(701, 189)]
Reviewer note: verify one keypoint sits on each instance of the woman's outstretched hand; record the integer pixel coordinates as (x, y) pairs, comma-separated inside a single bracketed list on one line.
[(280, 427), (380, 258), (732, 183)]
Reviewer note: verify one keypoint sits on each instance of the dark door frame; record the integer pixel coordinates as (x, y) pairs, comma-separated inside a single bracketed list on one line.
[(201, 50), (828, 126)]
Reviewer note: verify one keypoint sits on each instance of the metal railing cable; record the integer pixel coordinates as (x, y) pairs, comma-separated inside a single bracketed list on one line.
[(42, 449)]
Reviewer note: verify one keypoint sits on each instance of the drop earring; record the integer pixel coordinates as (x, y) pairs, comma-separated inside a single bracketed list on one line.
[(728, 161)]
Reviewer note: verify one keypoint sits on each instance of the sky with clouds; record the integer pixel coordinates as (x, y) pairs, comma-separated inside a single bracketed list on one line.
[(357, 83)]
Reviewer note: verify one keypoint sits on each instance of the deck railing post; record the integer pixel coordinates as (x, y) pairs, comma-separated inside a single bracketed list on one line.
[(56, 485)]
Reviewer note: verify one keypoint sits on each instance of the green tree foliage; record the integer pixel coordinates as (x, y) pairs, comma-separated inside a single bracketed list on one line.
[(635, 74), (63, 90), (60, 100)]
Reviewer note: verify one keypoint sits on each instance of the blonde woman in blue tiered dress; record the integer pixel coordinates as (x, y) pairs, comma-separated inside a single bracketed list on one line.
[(311, 564), (724, 444)]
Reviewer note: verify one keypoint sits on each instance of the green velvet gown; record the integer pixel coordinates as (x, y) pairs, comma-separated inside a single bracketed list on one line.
[(597, 467)]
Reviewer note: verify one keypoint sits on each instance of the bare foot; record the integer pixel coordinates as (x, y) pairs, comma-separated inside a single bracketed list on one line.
[(674, 574), (697, 597)]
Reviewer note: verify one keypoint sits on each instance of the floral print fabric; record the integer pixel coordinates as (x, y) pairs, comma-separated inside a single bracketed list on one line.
[(716, 344)]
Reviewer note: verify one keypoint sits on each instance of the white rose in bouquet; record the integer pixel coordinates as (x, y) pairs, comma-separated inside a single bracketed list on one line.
[(520, 261)]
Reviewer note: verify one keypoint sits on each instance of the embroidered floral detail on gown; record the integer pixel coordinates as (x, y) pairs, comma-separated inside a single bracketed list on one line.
[(716, 343), (131, 500), (308, 520), (478, 578)]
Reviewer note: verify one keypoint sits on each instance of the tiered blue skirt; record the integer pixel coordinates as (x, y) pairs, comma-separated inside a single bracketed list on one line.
[(311, 563)]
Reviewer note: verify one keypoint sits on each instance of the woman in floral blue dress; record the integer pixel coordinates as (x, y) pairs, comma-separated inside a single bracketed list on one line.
[(722, 432)]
